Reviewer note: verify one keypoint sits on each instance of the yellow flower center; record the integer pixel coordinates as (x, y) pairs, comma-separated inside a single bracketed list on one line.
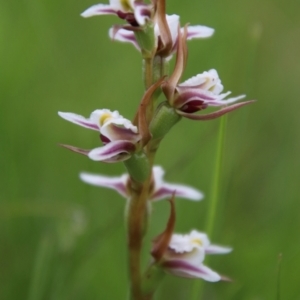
[(104, 118), (126, 4), (197, 241)]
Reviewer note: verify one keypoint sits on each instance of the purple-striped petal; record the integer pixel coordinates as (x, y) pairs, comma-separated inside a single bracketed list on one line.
[(79, 120), (114, 133), (183, 269), (142, 13), (204, 96), (181, 191), (116, 183), (164, 190), (221, 102), (215, 249), (184, 99), (113, 152), (99, 9), (123, 35), (215, 114), (198, 31)]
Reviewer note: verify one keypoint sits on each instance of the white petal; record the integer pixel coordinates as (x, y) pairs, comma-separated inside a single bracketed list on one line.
[(158, 175), (116, 183), (173, 22), (215, 249), (164, 190), (181, 243), (122, 5), (206, 274), (182, 191), (184, 269), (100, 116), (220, 101), (199, 31), (114, 133), (99, 9), (79, 120), (141, 13), (207, 81), (113, 152), (193, 81), (123, 35)]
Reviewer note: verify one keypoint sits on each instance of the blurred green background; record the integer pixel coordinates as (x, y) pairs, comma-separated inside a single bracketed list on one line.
[(62, 239)]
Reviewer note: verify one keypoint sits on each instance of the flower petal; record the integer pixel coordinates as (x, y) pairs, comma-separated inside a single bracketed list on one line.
[(182, 191), (215, 249), (113, 152), (208, 81), (99, 9), (79, 120), (215, 114), (115, 133), (199, 31), (195, 94), (142, 13), (183, 269), (163, 190), (116, 183), (123, 35), (220, 101)]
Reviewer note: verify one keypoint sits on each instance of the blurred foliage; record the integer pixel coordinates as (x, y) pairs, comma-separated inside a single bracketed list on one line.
[(61, 239)]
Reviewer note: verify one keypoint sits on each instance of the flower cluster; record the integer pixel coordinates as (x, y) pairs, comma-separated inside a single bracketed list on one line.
[(158, 37)]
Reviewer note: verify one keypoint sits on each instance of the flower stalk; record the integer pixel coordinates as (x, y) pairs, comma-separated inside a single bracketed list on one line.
[(136, 229)]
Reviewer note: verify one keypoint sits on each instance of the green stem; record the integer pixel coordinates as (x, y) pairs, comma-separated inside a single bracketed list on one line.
[(148, 72), (137, 214), (213, 204)]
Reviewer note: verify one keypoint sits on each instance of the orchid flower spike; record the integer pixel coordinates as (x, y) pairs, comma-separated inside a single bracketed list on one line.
[(119, 136), (183, 255), (198, 92), (172, 23), (159, 188), (136, 13)]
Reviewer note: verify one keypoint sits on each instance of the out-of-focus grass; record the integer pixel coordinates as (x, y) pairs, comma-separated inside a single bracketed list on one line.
[(62, 239)]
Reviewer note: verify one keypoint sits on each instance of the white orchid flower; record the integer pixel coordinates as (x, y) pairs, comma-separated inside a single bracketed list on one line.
[(159, 188), (118, 135), (199, 92), (185, 255)]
